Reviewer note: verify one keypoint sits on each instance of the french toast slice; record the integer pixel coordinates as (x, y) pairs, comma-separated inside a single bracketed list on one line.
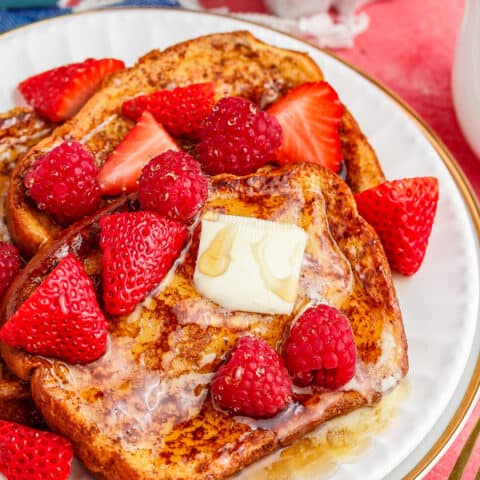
[(143, 410), (237, 62), (19, 129), (16, 403)]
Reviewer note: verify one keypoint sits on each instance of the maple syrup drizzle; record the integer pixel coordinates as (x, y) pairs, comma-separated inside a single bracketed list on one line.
[(215, 260), (285, 288), (344, 439)]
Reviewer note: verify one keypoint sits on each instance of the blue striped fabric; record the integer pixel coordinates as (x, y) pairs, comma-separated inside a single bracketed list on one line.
[(15, 17)]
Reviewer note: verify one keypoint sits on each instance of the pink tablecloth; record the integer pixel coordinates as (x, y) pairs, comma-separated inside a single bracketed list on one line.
[(409, 48)]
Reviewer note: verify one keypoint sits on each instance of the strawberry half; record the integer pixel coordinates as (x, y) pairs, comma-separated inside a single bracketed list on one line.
[(310, 117), (402, 213), (181, 111), (144, 141), (61, 318), (29, 454), (139, 249), (59, 93)]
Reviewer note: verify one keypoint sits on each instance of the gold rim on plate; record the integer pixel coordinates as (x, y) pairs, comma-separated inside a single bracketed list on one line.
[(446, 156)]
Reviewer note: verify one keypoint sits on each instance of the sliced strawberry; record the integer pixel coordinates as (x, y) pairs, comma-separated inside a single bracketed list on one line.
[(58, 94), (310, 118), (139, 249), (402, 213), (29, 454), (61, 318), (181, 111), (144, 141)]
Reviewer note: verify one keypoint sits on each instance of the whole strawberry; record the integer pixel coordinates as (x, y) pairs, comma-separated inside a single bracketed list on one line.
[(174, 186), (181, 111), (64, 183), (237, 137), (59, 93), (61, 319), (402, 214), (139, 248), (10, 265), (320, 348), (28, 454), (254, 382)]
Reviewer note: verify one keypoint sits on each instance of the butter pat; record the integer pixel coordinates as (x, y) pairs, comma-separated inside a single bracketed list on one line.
[(249, 264)]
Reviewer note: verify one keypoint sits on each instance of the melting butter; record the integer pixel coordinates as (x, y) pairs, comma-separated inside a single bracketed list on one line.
[(215, 260), (286, 288), (249, 264)]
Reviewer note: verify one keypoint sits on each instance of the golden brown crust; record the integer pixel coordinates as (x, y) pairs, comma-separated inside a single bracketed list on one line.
[(165, 355), (237, 62), (19, 129), (363, 169)]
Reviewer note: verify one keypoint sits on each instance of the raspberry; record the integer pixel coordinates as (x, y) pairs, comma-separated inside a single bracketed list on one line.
[(321, 348), (10, 265), (254, 382), (181, 111), (237, 137), (64, 183), (173, 185)]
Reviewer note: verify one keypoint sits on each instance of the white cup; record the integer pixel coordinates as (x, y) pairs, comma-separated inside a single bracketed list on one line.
[(466, 75)]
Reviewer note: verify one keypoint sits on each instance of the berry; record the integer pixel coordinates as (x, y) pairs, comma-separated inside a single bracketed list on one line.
[(173, 185), (139, 249), (144, 141), (254, 382), (310, 116), (320, 348), (29, 454), (181, 111), (58, 94), (402, 213), (10, 265), (237, 137), (64, 183), (61, 318)]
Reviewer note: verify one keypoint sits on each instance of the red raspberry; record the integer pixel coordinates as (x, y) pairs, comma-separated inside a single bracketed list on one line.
[(181, 111), (321, 348), (64, 183), (10, 265), (173, 185), (237, 137), (254, 382)]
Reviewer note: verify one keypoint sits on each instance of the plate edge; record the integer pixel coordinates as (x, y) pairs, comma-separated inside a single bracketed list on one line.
[(444, 153)]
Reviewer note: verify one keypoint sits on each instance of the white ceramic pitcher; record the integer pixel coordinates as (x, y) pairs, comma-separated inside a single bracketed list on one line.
[(466, 75)]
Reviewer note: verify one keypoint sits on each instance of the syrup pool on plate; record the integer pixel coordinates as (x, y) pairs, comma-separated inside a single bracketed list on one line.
[(341, 440)]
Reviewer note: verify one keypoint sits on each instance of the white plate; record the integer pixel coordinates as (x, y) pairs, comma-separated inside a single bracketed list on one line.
[(440, 303)]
